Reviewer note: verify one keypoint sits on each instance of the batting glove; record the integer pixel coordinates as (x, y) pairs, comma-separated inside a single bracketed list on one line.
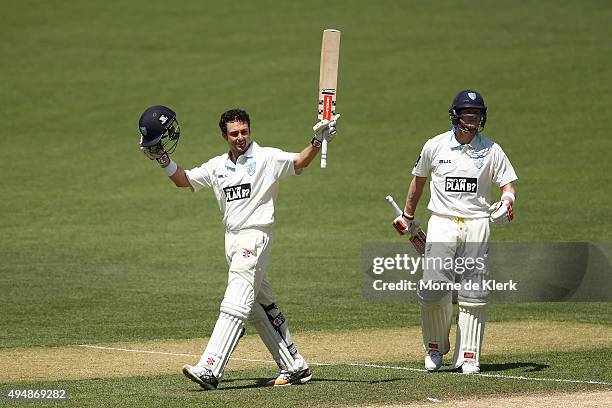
[(406, 224), (501, 213), (324, 129), (156, 152)]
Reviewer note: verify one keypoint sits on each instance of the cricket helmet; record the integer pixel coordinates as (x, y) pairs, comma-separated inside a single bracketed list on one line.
[(468, 99), (158, 125)]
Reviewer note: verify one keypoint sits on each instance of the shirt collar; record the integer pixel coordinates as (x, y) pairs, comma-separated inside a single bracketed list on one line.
[(251, 150)]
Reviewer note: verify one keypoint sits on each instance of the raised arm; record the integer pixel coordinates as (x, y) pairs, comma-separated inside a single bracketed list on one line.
[(305, 157), (179, 177)]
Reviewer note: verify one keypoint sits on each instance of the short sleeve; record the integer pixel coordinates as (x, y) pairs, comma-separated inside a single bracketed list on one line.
[(422, 167), (282, 163), (201, 177), (503, 172)]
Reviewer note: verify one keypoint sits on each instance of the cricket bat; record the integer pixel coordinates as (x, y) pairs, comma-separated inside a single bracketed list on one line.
[(328, 79), (420, 239)]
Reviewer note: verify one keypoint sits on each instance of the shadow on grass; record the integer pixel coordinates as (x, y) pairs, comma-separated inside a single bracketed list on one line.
[(263, 382), (528, 367), (491, 368)]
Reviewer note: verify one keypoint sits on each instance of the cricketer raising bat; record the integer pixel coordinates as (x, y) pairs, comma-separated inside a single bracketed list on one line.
[(418, 240), (328, 79)]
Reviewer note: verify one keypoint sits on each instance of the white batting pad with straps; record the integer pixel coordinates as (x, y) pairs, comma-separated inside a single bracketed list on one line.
[(274, 332), (435, 323), (222, 343), (235, 309), (470, 332)]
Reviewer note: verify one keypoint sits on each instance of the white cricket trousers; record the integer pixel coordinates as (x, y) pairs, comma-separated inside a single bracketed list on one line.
[(249, 297)]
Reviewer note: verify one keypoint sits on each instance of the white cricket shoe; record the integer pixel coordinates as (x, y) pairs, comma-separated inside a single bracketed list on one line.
[(433, 360), (202, 376), (286, 378), (470, 367)]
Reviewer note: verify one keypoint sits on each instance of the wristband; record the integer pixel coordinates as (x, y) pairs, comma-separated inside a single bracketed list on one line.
[(509, 195), (170, 169), (315, 142)]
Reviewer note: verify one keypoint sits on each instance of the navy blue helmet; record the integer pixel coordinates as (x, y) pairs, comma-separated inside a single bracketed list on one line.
[(158, 125), (465, 100)]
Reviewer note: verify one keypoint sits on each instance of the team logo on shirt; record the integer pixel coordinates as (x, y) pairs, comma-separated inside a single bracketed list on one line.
[(240, 192), (461, 184), (250, 168), (479, 162)]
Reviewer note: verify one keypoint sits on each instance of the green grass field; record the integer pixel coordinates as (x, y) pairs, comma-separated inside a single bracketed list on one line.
[(97, 247)]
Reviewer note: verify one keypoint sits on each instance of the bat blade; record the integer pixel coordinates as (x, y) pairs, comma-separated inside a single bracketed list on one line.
[(328, 80)]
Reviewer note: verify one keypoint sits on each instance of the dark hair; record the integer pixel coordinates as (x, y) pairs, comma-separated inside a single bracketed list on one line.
[(233, 115)]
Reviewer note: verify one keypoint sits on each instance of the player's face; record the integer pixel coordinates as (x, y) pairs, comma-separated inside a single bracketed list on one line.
[(470, 118), (238, 137)]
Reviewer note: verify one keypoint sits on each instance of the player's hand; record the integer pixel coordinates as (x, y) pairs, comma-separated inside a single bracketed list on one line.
[(325, 129), (406, 224), (158, 153), (501, 213), (332, 130)]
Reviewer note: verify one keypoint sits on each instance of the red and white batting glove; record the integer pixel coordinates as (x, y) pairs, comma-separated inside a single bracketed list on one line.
[(406, 224), (156, 152), (501, 213)]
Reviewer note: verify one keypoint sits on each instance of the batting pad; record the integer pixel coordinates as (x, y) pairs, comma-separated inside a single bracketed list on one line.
[(223, 341), (274, 332), (239, 298), (435, 323), (235, 309), (470, 331)]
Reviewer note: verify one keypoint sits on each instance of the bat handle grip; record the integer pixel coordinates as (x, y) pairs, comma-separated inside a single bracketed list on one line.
[(324, 154), (391, 201)]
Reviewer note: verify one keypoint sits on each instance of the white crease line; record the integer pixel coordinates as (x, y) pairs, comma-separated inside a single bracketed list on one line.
[(136, 351), (509, 377), (518, 377)]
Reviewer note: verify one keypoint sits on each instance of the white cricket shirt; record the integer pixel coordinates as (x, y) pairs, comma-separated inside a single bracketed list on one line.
[(245, 191), (461, 175)]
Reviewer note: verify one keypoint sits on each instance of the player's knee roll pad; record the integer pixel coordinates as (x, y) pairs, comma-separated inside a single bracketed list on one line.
[(434, 297), (238, 299), (475, 287), (473, 297)]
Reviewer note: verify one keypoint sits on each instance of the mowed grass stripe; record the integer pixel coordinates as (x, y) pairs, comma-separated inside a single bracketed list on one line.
[(365, 346), (340, 385), (555, 400)]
